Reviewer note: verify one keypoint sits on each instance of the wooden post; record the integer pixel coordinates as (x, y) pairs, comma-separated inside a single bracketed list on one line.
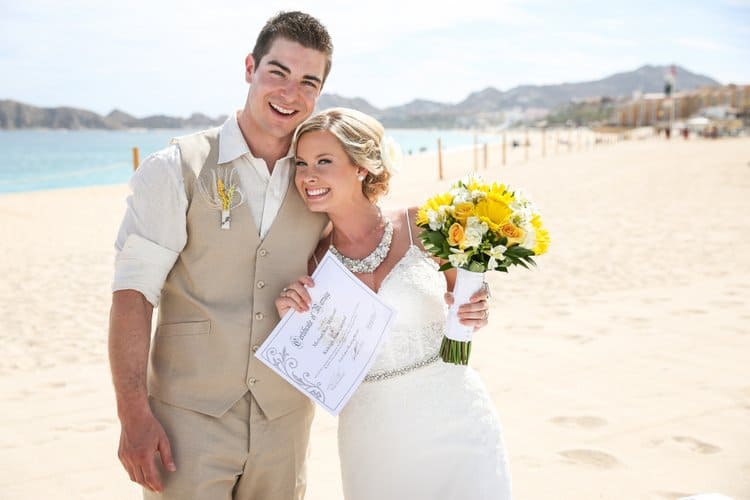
[(485, 156), (136, 161), (476, 153), (440, 159), (544, 142), (557, 141), (526, 145), (505, 144)]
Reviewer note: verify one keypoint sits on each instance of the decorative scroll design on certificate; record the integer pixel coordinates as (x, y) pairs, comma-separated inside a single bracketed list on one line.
[(286, 363)]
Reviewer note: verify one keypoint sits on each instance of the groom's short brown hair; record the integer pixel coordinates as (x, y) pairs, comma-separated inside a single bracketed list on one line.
[(297, 27)]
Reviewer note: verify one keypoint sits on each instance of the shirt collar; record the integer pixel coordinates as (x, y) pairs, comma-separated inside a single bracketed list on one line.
[(232, 144)]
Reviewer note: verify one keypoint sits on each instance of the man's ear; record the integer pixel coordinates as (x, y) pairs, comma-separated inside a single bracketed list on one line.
[(249, 68)]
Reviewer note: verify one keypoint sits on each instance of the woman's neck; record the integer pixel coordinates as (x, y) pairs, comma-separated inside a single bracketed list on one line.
[(355, 225)]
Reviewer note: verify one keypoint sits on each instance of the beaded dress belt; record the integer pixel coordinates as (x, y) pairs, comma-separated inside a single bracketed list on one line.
[(376, 377)]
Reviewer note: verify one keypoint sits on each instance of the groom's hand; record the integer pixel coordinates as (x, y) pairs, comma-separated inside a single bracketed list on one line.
[(141, 439)]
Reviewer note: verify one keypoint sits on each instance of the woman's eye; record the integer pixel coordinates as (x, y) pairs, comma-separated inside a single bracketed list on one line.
[(324, 161), (300, 164)]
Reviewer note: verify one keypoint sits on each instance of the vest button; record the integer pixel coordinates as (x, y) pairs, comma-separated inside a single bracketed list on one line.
[(259, 316), (263, 252), (260, 284), (251, 381)]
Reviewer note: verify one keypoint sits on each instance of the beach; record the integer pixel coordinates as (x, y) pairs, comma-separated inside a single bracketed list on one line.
[(619, 366)]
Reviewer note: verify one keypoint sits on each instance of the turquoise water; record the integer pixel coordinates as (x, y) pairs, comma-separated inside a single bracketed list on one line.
[(31, 160)]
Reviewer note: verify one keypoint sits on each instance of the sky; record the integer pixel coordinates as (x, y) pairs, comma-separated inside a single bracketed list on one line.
[(177, 57)]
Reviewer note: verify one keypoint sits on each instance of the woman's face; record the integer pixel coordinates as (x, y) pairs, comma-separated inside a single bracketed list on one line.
[(325, 176)]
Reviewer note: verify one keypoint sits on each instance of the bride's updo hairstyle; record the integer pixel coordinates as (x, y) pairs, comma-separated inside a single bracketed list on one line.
[(361, 136)]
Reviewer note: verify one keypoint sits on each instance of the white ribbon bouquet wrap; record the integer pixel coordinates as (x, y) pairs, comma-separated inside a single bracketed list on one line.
[(477, 227), (221, 190)]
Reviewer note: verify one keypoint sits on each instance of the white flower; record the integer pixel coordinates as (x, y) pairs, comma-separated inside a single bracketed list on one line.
[(521, 217), (458, 258), (476, 224), (472, 237), (390, 154), (529, 238), (497, 252), (477, 195), (460, 195), (436, 219)]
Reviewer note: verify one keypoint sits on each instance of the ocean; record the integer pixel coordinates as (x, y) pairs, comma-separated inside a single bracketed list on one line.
[(32, 160)]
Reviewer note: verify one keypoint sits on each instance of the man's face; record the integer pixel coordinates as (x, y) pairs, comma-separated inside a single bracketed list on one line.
[(284, 86)]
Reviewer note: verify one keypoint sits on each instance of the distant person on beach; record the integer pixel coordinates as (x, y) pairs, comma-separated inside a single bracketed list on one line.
[(213, 230)]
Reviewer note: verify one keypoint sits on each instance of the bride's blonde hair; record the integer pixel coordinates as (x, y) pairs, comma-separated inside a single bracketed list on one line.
[(360, 135)]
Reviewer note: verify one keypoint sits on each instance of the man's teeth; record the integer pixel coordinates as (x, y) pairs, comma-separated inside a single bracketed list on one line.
[(281, 110), (316, 192)]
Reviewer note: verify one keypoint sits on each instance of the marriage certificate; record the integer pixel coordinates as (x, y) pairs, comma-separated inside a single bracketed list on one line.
[(326, 351)]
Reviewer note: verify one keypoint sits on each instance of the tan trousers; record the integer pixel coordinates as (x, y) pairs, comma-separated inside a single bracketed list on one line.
[(239, 456)]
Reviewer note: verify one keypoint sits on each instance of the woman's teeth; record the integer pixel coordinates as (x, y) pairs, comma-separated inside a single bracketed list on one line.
[(316, 192)]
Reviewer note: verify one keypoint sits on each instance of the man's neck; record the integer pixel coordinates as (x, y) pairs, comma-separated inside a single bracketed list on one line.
[(266, 147)]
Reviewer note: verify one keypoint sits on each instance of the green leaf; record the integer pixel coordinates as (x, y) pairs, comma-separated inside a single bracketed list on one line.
[(477, 267)]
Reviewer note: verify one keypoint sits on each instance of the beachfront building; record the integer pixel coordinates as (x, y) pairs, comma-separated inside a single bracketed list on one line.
[(657, 110)]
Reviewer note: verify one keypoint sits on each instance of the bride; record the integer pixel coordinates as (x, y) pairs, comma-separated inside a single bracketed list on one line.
[(417, 428)]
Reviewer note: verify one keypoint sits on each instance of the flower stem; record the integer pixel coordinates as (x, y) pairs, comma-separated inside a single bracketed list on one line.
[(455, 352)]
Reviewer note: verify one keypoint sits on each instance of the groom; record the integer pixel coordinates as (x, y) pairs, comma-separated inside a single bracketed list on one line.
[(222, 424)]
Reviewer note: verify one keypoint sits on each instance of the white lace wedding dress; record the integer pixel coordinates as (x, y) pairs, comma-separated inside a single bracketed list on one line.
[(419, 428)]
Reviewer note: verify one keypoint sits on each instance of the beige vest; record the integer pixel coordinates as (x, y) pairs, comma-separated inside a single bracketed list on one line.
[(217, 305)]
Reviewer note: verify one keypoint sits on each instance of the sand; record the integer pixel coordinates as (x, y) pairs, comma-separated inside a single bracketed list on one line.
[(619, 366)]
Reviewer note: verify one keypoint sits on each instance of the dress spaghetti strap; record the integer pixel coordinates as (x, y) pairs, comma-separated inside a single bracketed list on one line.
[(408, 225)]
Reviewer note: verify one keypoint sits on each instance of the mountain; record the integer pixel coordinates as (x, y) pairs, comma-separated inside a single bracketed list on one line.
[(644, 79), (17, 115), (336, 101), (487, 107), (492, 106)]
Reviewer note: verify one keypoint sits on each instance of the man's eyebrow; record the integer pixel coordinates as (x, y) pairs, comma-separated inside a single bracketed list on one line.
[(277, 63), (287, 70)]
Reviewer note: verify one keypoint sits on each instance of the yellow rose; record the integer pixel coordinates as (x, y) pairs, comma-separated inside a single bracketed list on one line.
[(514, 233), (455, 234), (463, 211)]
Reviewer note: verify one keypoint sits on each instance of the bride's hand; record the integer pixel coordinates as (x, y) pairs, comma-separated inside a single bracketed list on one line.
[(476, 312), (295, 296)]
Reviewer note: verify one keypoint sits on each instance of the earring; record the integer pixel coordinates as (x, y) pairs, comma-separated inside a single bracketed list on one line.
[(360, 178)]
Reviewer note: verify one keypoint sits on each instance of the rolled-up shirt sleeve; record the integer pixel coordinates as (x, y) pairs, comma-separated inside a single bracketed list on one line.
[(153, 231)]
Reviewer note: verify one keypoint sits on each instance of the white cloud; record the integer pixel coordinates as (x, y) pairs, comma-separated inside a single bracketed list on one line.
[(702, 44)]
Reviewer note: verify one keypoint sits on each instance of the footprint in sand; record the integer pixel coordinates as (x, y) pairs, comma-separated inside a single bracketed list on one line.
[(594, 458), (696, 445), (727, 303), (578, 339), (582, 421), (692, 311), (672, 495)]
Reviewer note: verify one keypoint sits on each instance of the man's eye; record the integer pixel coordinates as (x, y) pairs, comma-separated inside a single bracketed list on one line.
[(276, 72), (310, 84)]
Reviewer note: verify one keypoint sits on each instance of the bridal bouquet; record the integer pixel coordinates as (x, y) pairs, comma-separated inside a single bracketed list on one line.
[(478, 227)]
